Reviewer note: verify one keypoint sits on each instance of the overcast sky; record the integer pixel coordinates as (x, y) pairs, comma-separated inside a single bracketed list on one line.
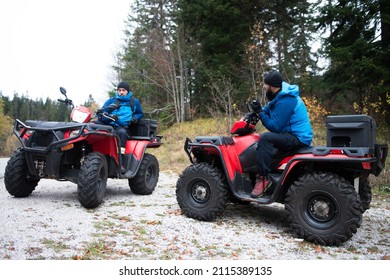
[(45, 44)]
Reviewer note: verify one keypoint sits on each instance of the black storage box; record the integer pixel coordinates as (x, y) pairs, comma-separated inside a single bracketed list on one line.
[(144, 128), (350, 131)]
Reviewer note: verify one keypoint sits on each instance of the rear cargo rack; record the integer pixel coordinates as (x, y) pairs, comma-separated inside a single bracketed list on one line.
[(349, 151)]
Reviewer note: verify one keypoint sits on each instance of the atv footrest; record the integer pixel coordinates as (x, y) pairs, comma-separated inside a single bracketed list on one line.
[(265, 199)]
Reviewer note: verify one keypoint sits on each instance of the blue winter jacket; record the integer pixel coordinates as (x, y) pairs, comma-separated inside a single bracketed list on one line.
[(288, 113), (124, 112)]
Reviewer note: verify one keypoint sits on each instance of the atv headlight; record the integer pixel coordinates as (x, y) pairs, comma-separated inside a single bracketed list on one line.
[(74, 133)]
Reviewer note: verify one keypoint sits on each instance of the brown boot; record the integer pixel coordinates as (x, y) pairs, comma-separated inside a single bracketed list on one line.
[(260, 185)]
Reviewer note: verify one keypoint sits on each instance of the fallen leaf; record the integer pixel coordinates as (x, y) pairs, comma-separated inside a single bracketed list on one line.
[(176, 212), (154, 222), (317, 249)]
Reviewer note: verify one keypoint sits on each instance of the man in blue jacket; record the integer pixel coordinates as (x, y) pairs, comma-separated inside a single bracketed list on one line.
[(128, 113), (286, 118)]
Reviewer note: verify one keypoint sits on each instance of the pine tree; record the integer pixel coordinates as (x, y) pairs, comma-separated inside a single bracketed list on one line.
[(357, 74), (153, 58), (5, 127)]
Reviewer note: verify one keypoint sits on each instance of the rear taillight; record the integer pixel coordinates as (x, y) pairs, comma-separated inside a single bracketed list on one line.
[(336, 152)]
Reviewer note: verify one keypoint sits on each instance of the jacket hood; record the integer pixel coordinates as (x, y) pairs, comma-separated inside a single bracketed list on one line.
[(288, 89)]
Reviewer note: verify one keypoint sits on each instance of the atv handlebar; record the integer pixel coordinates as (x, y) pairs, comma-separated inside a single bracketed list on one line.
[(254, 109), (67, 102), (106, 115)]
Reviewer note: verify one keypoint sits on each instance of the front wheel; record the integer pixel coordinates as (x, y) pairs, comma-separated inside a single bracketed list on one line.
[(16, 178), (145, 181), (323, 208), (92, 181), (201, 192)]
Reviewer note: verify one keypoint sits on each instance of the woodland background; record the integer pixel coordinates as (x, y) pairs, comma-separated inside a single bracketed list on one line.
[(196, 60)]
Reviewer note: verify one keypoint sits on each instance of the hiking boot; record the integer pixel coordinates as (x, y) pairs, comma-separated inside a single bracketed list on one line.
[(260, 185)]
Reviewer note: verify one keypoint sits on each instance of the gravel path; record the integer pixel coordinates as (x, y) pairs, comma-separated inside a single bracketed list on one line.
[(51, 224)]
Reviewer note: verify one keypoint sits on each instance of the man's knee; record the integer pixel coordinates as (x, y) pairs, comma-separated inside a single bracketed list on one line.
[(266, 141), (267, 136), (121, 130)]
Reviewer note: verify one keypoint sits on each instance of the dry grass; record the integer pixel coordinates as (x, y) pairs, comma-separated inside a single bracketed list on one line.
[(171, 155)]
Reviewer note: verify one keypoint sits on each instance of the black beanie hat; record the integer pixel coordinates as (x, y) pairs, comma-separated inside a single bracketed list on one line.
[(123, 85), (273, 79)]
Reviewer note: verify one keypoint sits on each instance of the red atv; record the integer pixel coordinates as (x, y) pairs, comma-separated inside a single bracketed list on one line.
[(325, 190), (84, 153)]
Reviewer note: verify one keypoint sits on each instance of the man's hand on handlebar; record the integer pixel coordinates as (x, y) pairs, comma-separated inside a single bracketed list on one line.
[(252, 118), (256, 106)]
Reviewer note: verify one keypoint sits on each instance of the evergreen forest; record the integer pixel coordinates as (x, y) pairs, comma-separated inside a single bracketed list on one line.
[(200, 59)]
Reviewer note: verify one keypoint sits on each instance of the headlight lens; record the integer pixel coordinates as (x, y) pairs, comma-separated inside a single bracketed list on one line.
[(74, 133)]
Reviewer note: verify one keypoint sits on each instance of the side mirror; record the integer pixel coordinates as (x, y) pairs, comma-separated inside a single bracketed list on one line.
[(63, 90)]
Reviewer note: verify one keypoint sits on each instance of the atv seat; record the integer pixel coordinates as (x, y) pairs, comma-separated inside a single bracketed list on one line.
[(104, 127), (132, 137), (302, 150), (278, 155)]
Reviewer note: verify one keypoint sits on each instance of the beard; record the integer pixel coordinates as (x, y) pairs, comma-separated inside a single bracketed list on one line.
[(270, 95)]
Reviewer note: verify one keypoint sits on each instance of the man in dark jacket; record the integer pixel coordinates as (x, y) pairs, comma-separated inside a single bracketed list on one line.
[(129, 111), (287, 120)]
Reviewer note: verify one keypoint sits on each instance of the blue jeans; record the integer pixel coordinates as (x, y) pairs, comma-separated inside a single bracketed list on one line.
[(269, 141)]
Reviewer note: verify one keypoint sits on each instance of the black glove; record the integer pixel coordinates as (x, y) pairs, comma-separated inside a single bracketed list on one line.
[(133, 120), (256, 106), (252, 118), (99, 111)]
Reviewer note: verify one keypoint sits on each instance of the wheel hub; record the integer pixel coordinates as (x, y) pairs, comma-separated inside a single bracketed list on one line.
[(200, 193), (320, 209)]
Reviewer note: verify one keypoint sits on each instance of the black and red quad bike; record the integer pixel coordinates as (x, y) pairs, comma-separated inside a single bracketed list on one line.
[(84, 153), (325, 190)]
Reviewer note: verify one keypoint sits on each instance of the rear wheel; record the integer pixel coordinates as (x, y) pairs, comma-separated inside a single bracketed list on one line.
[(323, 208), (92, 181), (145, 181), (365, 193), (16, 178), (201, 192)]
